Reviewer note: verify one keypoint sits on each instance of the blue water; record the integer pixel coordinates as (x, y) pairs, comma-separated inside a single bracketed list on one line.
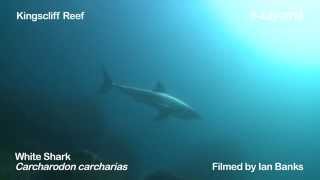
[(255, 86)]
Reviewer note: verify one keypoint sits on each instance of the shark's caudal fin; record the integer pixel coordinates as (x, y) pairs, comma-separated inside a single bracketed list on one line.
[(107, 83)]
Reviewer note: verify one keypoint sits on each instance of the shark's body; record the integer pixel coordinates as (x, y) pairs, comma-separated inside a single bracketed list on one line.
[(167, 105)]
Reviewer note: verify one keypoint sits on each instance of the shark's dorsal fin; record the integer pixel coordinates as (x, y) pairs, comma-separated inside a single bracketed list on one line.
[(159, 87)]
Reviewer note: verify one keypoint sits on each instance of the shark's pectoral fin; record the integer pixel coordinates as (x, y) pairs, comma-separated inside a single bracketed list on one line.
[(163, 114)]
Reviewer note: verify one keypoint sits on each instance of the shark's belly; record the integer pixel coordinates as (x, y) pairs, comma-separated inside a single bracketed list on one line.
[(164, 101), (158, 100)]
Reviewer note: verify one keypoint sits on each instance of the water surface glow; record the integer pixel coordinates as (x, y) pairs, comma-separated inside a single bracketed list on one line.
[(285, 31)]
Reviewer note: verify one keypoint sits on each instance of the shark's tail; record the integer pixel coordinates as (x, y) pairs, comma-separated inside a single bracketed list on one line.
[(107, 83)]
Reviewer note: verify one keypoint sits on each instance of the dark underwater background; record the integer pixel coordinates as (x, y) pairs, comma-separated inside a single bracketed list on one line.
[(259, 103)]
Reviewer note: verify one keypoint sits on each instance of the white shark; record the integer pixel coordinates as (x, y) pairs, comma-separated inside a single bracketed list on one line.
[(167, 105)]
